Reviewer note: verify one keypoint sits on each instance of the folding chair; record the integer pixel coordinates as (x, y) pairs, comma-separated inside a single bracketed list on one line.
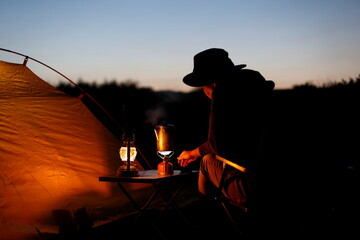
[(248, 213), (263, 104), (225, 202)]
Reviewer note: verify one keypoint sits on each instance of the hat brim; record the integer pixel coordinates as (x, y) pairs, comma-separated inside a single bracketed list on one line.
[(197, 80), (193, 80)]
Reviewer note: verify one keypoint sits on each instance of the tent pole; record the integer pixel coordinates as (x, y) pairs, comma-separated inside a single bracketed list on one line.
[(82, 90)]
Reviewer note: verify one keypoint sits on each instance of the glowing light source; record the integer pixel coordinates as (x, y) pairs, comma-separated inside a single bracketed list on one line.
[(128, 154)]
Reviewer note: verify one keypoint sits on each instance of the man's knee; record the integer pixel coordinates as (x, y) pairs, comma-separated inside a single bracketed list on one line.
[(207, 161)]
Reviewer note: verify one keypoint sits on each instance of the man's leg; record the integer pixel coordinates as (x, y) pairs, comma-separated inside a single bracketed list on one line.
[(210, 173), (235, 188)]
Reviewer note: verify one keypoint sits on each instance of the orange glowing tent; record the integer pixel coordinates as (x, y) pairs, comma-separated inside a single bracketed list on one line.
[(52, 151)]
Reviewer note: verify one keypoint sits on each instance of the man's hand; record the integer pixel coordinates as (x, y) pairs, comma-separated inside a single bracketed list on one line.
[(187, 157)]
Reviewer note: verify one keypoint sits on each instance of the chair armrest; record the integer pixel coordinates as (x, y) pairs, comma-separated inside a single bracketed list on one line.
[(232, 164)]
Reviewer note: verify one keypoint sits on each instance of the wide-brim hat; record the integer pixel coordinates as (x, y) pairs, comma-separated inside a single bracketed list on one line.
[(209, 66)]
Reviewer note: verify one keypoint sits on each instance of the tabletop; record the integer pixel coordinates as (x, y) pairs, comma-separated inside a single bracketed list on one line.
[(148, 176)]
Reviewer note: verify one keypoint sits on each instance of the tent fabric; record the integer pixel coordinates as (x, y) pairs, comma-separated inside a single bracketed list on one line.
[(52, 152)]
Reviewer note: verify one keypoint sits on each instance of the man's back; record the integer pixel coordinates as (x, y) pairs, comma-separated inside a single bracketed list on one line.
[(239, 110)]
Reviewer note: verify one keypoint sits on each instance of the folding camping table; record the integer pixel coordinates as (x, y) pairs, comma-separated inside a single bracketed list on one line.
[(159, 182)]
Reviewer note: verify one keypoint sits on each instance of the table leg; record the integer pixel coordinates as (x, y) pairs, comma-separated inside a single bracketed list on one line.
[(170, 200), (143, 209)]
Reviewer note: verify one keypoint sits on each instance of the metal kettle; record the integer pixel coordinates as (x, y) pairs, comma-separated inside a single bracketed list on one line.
[(164, 137), (165, 147)]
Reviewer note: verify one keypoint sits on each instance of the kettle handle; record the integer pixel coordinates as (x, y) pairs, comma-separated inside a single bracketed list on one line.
[(157, 138)]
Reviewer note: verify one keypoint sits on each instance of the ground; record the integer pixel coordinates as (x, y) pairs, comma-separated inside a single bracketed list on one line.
[(208, 220)]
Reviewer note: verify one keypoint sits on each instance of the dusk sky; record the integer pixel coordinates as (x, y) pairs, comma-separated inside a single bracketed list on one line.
[(153, 42)]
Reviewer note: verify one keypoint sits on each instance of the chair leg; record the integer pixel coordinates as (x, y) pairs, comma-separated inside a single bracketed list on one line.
[(229, 214)]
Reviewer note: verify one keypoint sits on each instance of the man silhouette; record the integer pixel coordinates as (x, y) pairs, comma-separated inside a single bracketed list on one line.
[(239, 100)]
